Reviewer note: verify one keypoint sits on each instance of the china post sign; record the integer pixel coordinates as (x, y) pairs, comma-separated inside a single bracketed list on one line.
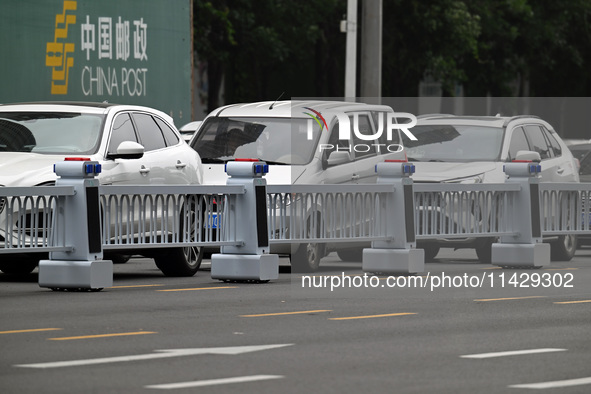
[(104, 41), (121, 51)]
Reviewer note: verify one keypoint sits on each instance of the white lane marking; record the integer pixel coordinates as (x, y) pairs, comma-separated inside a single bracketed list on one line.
[(213, 382), (167, 353), (554, 384), (513, 353)]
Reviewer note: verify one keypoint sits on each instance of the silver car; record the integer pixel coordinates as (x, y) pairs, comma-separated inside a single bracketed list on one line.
[(473, 149), (135, 146)]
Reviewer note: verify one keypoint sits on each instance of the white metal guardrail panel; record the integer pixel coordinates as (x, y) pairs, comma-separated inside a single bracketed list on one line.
[(454, 210), (326, 213), (565, 208), (167, 216), (26, 216)]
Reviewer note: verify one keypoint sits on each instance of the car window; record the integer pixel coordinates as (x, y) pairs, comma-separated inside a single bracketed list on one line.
[(537, 141), (169, 135), (585, 166), (276, 140), (579, 153), (50, 132), (363, 148), (334, 143), (454, 143), (122, 131), (518, 142), (555, 146), (150, 134)]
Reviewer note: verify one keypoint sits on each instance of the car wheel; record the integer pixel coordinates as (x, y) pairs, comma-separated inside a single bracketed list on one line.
[(564, 249), (307, 256), (351, 255), (183, 261), (484, 250), (120, 258), (431, 252), (180, 261), (19, 264)]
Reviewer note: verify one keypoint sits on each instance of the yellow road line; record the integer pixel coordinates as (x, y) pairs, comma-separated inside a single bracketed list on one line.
[(125, 287), (103, 335), (288, 313), (30, 330), (511, 298), (202, 288), (370, 316), (573, 302)]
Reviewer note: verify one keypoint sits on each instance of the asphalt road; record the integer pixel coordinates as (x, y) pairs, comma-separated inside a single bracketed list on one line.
[(470, 334)]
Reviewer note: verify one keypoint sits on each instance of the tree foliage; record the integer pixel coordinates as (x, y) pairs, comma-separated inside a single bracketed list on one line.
[(503, 48), (270, 47)]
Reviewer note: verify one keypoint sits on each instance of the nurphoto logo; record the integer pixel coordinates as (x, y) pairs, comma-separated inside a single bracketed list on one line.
[(344, 121)]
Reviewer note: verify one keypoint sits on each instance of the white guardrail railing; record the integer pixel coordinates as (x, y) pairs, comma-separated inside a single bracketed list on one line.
[(167, 216), (391, 214), (327, 213), (454, 210), (131, 217), (196, 215), (26, 215), (566, 208)]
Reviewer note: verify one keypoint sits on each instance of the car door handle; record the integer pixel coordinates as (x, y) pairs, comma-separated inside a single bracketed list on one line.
[(144, 170), (180, 165), (560, 170), (355, 177)]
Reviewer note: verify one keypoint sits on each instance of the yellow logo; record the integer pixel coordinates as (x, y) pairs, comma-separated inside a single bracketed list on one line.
[(59, 54)]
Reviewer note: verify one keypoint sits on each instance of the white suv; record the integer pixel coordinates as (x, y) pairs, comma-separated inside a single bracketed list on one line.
[(299, 140), (135, 146)]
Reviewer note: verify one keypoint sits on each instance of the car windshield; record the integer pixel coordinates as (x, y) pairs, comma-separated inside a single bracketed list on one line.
[(274, 140), (449, 143), (50, 132), (580, 153)]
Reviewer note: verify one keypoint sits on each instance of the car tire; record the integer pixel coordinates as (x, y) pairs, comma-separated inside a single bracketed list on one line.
[(19, 264), (351, 255), (484, 250), (564, 249), (119, 258), (180, 261), (431, 252), (306, 257), (184, 261)]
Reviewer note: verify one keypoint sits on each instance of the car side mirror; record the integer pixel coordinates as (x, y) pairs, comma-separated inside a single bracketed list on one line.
[(127, 150), (337, 157), (528, 155)]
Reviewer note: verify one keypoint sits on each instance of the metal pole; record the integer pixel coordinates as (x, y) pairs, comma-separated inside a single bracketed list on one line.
[(371, 49), (399, 255), (351, 51), (525, 249), (251, 260), (77, 220)]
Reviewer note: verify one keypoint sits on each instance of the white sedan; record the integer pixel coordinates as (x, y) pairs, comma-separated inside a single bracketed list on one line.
[(135, 145)]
